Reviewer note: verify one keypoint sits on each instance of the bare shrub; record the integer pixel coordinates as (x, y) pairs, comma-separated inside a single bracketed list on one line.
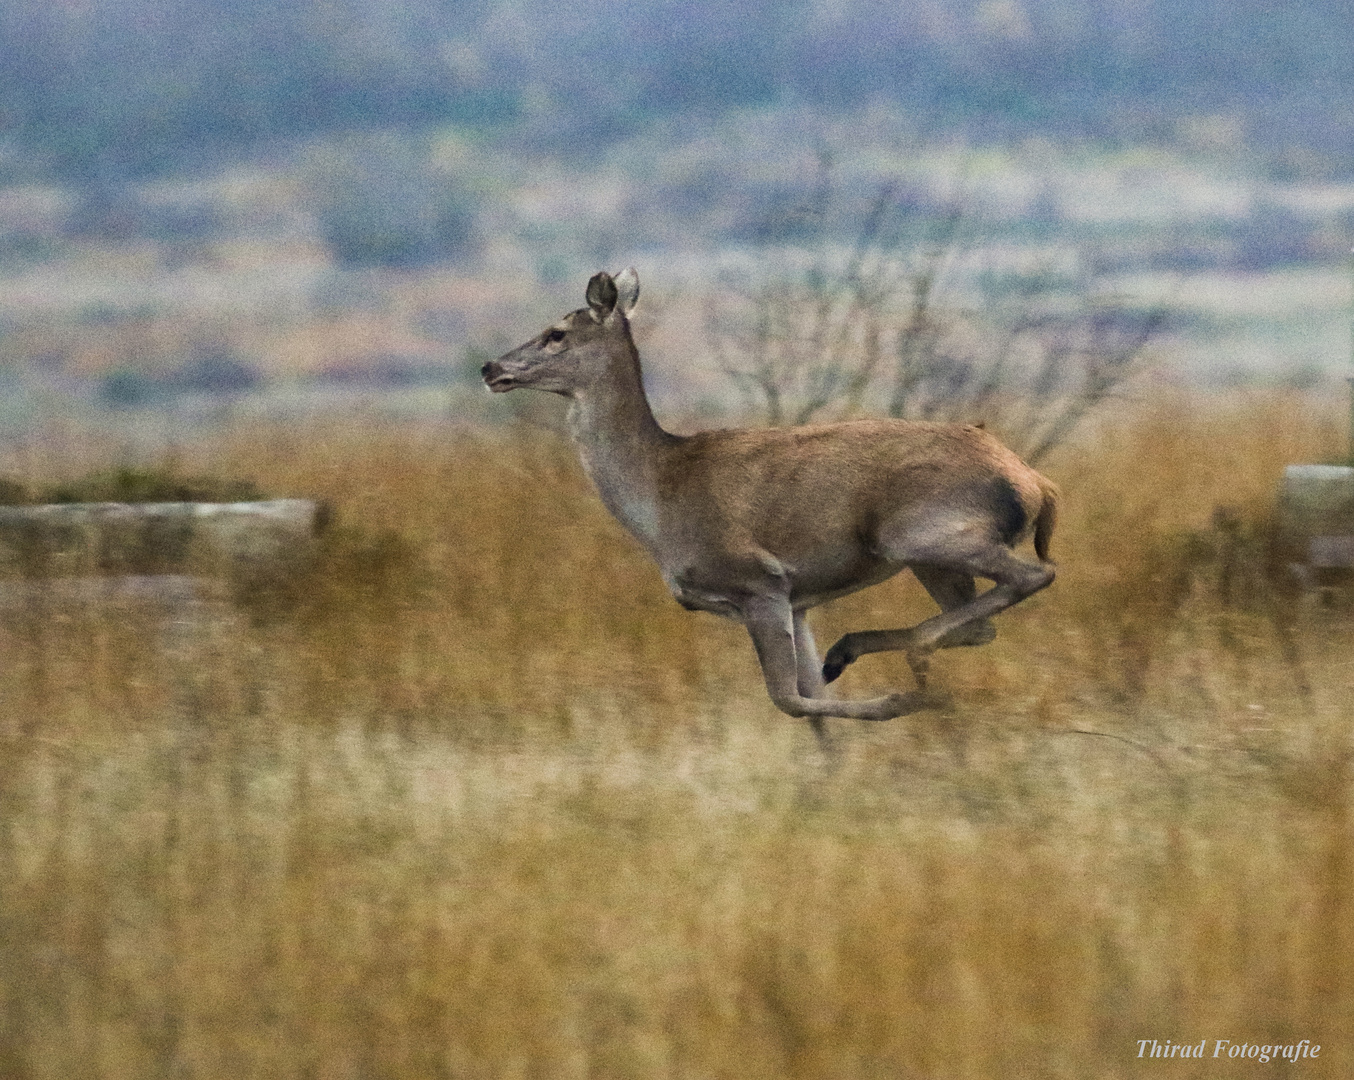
[(914, 318)]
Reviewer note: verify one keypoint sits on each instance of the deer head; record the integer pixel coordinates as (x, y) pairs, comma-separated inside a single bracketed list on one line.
[(577, 351)]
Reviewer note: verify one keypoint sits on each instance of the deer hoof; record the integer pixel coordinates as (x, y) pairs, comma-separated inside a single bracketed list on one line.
[(837, 659)]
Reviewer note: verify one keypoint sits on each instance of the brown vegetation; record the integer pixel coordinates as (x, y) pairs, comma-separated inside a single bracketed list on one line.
[(349, 832)]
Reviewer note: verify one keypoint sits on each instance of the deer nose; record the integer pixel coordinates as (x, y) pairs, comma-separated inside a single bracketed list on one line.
[(494, 377)]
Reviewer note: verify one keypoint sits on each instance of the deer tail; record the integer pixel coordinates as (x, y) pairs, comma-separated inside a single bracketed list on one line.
[(1047, 518)]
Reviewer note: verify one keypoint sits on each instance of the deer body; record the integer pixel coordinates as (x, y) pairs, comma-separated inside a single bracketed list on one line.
[(761, 525)]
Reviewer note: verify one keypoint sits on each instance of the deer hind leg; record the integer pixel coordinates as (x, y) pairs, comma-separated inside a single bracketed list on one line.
[(950, 589), (1014, 580), (772, 626), (953, 589)]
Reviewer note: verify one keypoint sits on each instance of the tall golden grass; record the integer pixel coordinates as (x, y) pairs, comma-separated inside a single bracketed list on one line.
[(476, 799)]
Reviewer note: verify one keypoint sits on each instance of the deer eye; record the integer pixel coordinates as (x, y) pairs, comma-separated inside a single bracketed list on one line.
[(554, 336)]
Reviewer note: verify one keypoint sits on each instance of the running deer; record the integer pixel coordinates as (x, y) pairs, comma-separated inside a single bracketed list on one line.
[(761, 525)]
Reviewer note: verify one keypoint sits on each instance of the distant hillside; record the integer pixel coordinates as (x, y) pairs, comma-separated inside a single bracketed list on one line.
[(109, 88)]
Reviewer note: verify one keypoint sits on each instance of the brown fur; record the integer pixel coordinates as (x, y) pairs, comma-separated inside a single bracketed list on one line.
[(760, 525)]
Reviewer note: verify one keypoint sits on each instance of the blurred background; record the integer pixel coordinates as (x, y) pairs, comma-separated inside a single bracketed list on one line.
[(211, 207), (455, 790)]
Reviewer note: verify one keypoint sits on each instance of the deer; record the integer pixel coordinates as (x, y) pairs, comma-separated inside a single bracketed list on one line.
[(759, 525)]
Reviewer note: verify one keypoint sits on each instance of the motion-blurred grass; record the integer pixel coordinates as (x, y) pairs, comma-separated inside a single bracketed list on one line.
[(477, 799)]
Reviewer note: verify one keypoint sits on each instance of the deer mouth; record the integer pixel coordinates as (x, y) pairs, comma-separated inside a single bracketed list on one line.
[(496, 379)]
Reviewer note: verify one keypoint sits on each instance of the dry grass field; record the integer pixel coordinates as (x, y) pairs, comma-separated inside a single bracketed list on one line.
[(476, 799)]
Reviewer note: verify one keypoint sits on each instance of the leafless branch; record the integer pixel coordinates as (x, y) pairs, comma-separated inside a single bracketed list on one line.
[(808, 339)]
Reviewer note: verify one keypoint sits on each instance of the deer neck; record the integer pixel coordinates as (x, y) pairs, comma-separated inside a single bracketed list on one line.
[(620, 443)]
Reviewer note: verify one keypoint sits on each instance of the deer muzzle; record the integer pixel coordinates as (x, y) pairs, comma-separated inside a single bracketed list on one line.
[(496, 377)]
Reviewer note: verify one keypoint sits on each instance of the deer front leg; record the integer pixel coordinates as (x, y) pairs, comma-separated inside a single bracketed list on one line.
[(808, 668), (771, 625), (809, 674)]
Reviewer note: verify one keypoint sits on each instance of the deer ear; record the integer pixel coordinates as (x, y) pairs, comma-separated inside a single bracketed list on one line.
[(602, 295), (627, 288)]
